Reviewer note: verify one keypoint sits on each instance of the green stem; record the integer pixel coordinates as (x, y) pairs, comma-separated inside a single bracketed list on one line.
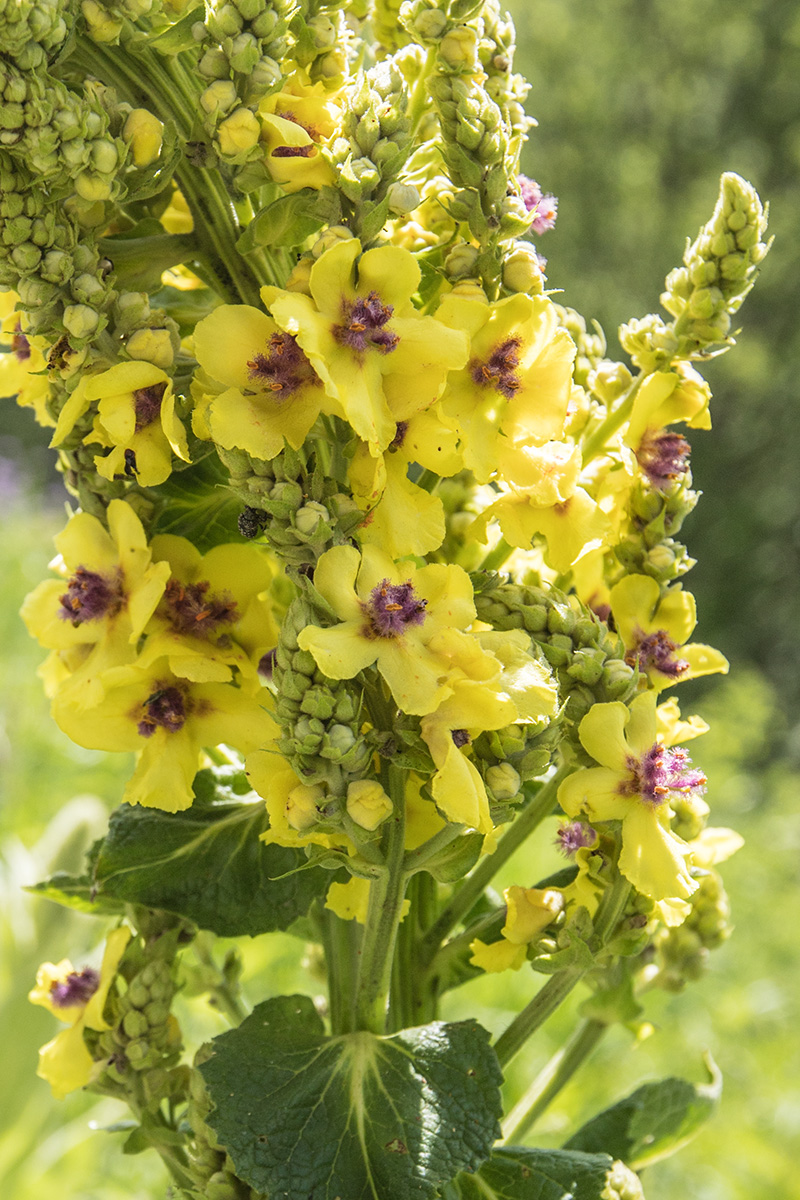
[(414, 998), (386, 897), (340, 941), (543, 1005), (419, 101), (597, 441), (416, 859), (551, 1079), (496, 557), (222, 994), (539, 807)]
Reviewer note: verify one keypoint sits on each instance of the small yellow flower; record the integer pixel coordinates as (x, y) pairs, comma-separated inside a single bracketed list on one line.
[(22, 362), (633, 784), (296, 122), (77, 997), (367, 803), (654, 627), (144, 133), (528, 913), (389, 615)]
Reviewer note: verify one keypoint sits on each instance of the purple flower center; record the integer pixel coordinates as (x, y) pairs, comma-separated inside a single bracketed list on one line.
[(266, 664), (656, 652), (20, 346), (77, 988), (165, 709), (89, 597), (363, 325), (543, 205), (193, 611), (399, 436), (391, 608), (661, 771), (292, 151), (283, 369), (147, 404), (460, 737), (573, 836), (664, 457), (499, 369)]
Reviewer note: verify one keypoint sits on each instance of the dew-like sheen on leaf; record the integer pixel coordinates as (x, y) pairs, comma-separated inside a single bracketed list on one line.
[(310, 1117)]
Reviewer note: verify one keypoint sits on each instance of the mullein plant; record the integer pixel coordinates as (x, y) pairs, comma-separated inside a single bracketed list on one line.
[(373, 563)]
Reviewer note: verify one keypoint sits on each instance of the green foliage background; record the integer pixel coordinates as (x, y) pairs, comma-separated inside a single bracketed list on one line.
[(641, 103)]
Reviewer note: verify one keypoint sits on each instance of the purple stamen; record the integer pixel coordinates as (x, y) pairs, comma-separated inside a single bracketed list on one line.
[(664, 457), (193, 611), (89, 597), (165, 709), (656, 652), (363, 325), (147, 404), (77, 988), (399, 436), (572, 837), (283, 369), (460, 737), (498, 371), (20, 346), (662, 771), (292, 151), (266, 664), (544, 206), (392, 607)]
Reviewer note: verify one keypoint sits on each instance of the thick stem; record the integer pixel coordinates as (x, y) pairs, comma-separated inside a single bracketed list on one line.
[(414, 996), (551, 1079), (474, 885), (340, 940), (543, 1005), (386, 896)]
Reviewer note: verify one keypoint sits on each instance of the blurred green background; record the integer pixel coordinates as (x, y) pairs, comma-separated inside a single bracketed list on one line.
[(641, 104)]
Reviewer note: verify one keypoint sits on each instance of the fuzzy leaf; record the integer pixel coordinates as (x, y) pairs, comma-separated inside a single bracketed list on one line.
[(207, 864), (520, 1173), (195, 503), (367, 1118), (653, 1122)]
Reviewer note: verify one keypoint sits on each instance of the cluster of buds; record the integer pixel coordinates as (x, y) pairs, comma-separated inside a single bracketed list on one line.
[(33, 31), (210, 1165)]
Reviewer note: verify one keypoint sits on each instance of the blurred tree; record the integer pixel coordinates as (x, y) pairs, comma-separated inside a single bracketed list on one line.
[(642, 104)]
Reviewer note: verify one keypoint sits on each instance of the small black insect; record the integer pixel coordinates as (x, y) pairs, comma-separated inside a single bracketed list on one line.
[(131, 470)]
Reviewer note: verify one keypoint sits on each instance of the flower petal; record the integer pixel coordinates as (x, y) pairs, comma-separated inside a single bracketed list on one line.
[(602, 734), (652, 858), (595, 791)]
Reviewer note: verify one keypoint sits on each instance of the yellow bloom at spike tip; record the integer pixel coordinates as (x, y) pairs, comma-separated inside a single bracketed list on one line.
[(389, 613), (379, 359), (296, 122), (136, 421), (633, 784), (517, 383), (541, 496), (654, 627), (76, 997), (94, 615), (264, 391), (214, 614), (528, 913), (402, 517), (167, 721)]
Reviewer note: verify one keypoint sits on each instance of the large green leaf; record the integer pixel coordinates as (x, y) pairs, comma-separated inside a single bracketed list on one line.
[(207, 864), (356, 1117), (653, 1122), (196, 503), (519, 1173)]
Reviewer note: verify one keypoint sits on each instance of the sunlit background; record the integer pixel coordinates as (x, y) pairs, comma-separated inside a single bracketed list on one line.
[(641, 105)]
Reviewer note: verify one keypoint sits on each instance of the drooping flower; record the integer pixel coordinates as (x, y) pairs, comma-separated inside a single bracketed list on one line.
[(108, 590), (78, 998), (637, 776), (167, 720), (654, 628), (266, 389), (528, 913), (389, 615), (379, 359)]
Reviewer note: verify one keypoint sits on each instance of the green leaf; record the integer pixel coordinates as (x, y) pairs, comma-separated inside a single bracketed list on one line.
[(207, 864), (456, 860), (77, 892), (374, 219), (196, 503), (289, 220), (358, 1117), (519, 1173), (653, 1122)]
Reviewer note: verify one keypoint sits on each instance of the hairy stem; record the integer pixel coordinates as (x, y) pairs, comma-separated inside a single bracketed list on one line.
[(551, 1079)]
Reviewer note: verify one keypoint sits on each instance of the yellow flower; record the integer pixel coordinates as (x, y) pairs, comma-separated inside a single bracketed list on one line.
[(637, 776), (389, 614), (214, 613), (295, 123), (108, 590), (293, 806), (402, 517), (22, 362), (528, 913), (136, 418), (367, 803), (268, 390), (168, 721), (379, 360), (666, 397), (77, 997), (516, 386), (654, 627)]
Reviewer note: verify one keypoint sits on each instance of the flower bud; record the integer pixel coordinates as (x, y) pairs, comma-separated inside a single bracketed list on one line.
[(309, 516), (80, 320), (101, 25), (403, 198), (458, 49), (523, 270), (143, 132), (238, 133), (367, 803), (151, 345), (301, 806), (219, 97), (503, 781)]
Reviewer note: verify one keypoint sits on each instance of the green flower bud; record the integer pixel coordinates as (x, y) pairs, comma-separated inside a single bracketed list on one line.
[(503, 781), (80, 320), (522, 270)]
